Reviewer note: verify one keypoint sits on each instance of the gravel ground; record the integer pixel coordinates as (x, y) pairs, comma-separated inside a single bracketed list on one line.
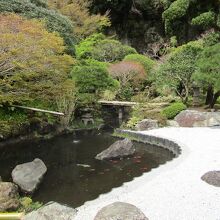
[(173, 191)]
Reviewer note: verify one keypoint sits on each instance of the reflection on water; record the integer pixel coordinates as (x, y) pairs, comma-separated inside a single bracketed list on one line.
[(73, 175)]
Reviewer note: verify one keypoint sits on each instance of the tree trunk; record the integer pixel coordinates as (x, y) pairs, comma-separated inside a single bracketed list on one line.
[(215, 97), (209, 96)]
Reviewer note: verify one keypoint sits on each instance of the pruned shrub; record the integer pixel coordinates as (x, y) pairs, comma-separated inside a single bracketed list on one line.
[(171, 111), (145, 61), (98, 47), (127, 72)]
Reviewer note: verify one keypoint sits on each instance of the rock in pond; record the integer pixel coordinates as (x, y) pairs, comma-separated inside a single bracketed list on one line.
[(146, 124), (119, 149), (212, 178), (29, 175), (120, 211), (52, 211), (8, 197)]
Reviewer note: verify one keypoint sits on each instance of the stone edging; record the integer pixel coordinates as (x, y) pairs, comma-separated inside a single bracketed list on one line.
[(150, 139)]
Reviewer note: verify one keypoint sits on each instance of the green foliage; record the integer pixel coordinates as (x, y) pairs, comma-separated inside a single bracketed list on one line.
[(41, 3), (33, 63), (211, 38), (100, 48), (208, 71), (133, 121), (177, 70), (174, 109), (205, 19), (176, 10), (55, 22), (109, 95), (125, 93), (28, 205), (12, 122), (145, 61), (92, 78)]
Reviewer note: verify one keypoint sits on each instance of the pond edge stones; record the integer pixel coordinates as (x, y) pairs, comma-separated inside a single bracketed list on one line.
[(120, 211), (29, 175), (119, 149), (8, 197), (52, 211)]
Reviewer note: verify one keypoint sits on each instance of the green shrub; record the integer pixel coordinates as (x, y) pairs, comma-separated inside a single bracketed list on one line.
[(171, 111), (92, 78), (109, 95), (98, 47), (205, 19), (145, 61)]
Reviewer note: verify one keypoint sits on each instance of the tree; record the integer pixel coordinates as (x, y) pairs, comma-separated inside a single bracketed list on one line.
[(77, 11), (128, 72), (208, 72), (176, 72), (32, 61), (91, 79), (100, 48), (145, 61), (54, 21)]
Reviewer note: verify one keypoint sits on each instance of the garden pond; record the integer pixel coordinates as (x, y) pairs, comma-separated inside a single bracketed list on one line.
[(74, 176)]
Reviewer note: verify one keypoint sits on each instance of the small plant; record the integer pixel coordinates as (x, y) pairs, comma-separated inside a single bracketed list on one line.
[(171, 111), (28, 205)]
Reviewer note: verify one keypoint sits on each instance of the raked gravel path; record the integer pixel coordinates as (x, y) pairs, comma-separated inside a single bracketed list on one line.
[(173, 191)]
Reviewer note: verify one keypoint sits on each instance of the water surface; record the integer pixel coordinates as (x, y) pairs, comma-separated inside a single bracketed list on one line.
[(73, 175)]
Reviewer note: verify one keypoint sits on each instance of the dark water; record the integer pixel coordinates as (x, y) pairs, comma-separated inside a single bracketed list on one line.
[(69, 183)]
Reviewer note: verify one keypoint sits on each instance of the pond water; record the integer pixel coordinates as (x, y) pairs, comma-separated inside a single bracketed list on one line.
[(68, 180)]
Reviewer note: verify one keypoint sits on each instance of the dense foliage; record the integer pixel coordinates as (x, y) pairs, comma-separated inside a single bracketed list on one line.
[(100, 48), (176, 72), (174, 109), (54, 21), (32, 63), (77, 11), (208, 72), (65, 55)]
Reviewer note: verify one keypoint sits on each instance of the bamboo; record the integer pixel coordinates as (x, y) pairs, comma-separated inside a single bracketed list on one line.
[(11, 216), (39, 110)]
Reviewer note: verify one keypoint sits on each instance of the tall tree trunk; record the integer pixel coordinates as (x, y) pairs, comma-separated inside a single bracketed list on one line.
[(209, 95), (215, 97)]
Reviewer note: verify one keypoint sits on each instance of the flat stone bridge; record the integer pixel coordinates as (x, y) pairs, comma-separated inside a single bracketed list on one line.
[(120, 105)]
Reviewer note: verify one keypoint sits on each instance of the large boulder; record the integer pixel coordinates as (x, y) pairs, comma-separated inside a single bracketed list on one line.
[(9, 197), (147, 124), (192, 118), (52, 211), (29, 175), (212, 178), (120, 211), (119, 149)]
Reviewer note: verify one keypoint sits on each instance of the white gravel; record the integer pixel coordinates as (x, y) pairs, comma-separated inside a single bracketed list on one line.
[(173, 191)]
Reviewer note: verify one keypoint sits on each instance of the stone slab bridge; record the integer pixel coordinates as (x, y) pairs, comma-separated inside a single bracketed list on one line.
[(120, 105)]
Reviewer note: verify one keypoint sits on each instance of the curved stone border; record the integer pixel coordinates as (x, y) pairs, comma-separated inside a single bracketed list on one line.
[(150, 139)]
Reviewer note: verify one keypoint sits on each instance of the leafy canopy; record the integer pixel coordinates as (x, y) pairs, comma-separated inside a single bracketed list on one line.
[(177, 70), (208, 72), (100, 48), (55, 22), (32, 61), (84, 22)]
